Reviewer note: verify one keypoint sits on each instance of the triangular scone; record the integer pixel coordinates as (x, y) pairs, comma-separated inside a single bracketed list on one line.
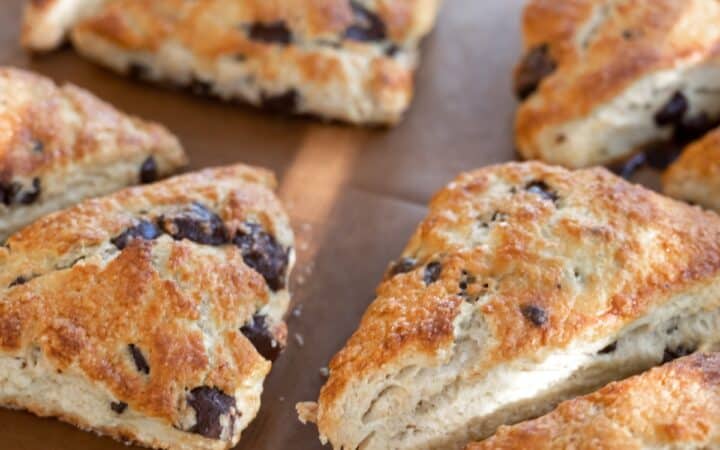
[(695, 176), (526, 285), (150, 315), (60, 145), (339, 59), (604, 78), (674, 406)]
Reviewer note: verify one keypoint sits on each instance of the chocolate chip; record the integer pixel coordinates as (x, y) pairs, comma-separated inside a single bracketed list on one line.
[(19, 281), (28, 197), (281, 103), (265, 343), (670, 354), (272, 33), (535, 314), (148, 170), (264, 254), (661, 156), (38, 146), (118, 407), (535, 66), (195, 223), (210, 404), (403, 265), (143, 230), (367, 25), (673, 111), (608, 349), (694, 127), (200, 87), (140, 361), (541, 188), (432, 272), (392, 50), (138, 71), (7, 192), (632, 165)]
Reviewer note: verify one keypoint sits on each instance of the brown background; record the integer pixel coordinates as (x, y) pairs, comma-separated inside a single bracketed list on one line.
[(354, 195)]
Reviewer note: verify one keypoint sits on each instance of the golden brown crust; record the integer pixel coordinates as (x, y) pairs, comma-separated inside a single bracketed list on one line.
[(71, 291), (676, 405), (600, 48), (587, 250), (695, 176)]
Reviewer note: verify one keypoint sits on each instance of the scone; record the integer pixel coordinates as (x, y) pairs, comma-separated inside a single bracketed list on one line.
[(46, 22), (151, 315), (525, 285), (603, 79), (695, 176), (60, 145), (674, 406), (350, 60)]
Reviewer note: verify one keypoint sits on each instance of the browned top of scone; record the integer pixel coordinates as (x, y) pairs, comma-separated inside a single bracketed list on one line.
[(675, 405), (699, 162), (583, 53), (145, 291), (44, 127), (542, 255)]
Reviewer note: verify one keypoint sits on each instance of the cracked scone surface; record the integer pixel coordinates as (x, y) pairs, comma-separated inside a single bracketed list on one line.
[(673, 406), (525, 285), (60, 145), (338, 59), (602, 79), (151, 315), (695, 176)]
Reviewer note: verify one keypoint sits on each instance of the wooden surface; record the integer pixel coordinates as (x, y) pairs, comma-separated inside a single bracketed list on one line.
[(354, 195)]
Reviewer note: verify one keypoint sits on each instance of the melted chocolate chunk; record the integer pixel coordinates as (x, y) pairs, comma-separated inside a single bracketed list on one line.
[(367, 26), (535, 314), (694, 127), (632, 165), (143, 230), (265, 343), (542, 189), (210, 404), (19, 281), (149, 170), (118, 407), (140, 361), (608, 349), (264, 254), (195, 223), (432, 272), (673, 111), (533, 69), (280, 103), (670, 354), (403, 265), (272, 33)]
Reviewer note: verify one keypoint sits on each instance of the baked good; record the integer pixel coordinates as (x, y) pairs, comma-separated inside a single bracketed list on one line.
[(46, 22), (695, 176), (673, 406), (60, 145), (150, 315), (351, 60), (525, 285), (602, 79)]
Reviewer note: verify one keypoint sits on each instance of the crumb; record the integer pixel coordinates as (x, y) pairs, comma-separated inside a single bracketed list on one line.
[(324, 372), (282, 399), (299, 339), (300, 279), (297, 311)]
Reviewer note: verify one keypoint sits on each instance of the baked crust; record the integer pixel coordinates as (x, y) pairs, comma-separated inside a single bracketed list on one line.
[(604, 70), (515, 265), (155, 308), (673, 406), (351, 61), (60, 145), (695, 176)]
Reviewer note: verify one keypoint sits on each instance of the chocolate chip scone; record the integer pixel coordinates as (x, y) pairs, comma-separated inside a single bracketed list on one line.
[(525, 285), (695, 176), (674, 406), (60, 145), (151, 315), (602, 79), (351, 60)]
